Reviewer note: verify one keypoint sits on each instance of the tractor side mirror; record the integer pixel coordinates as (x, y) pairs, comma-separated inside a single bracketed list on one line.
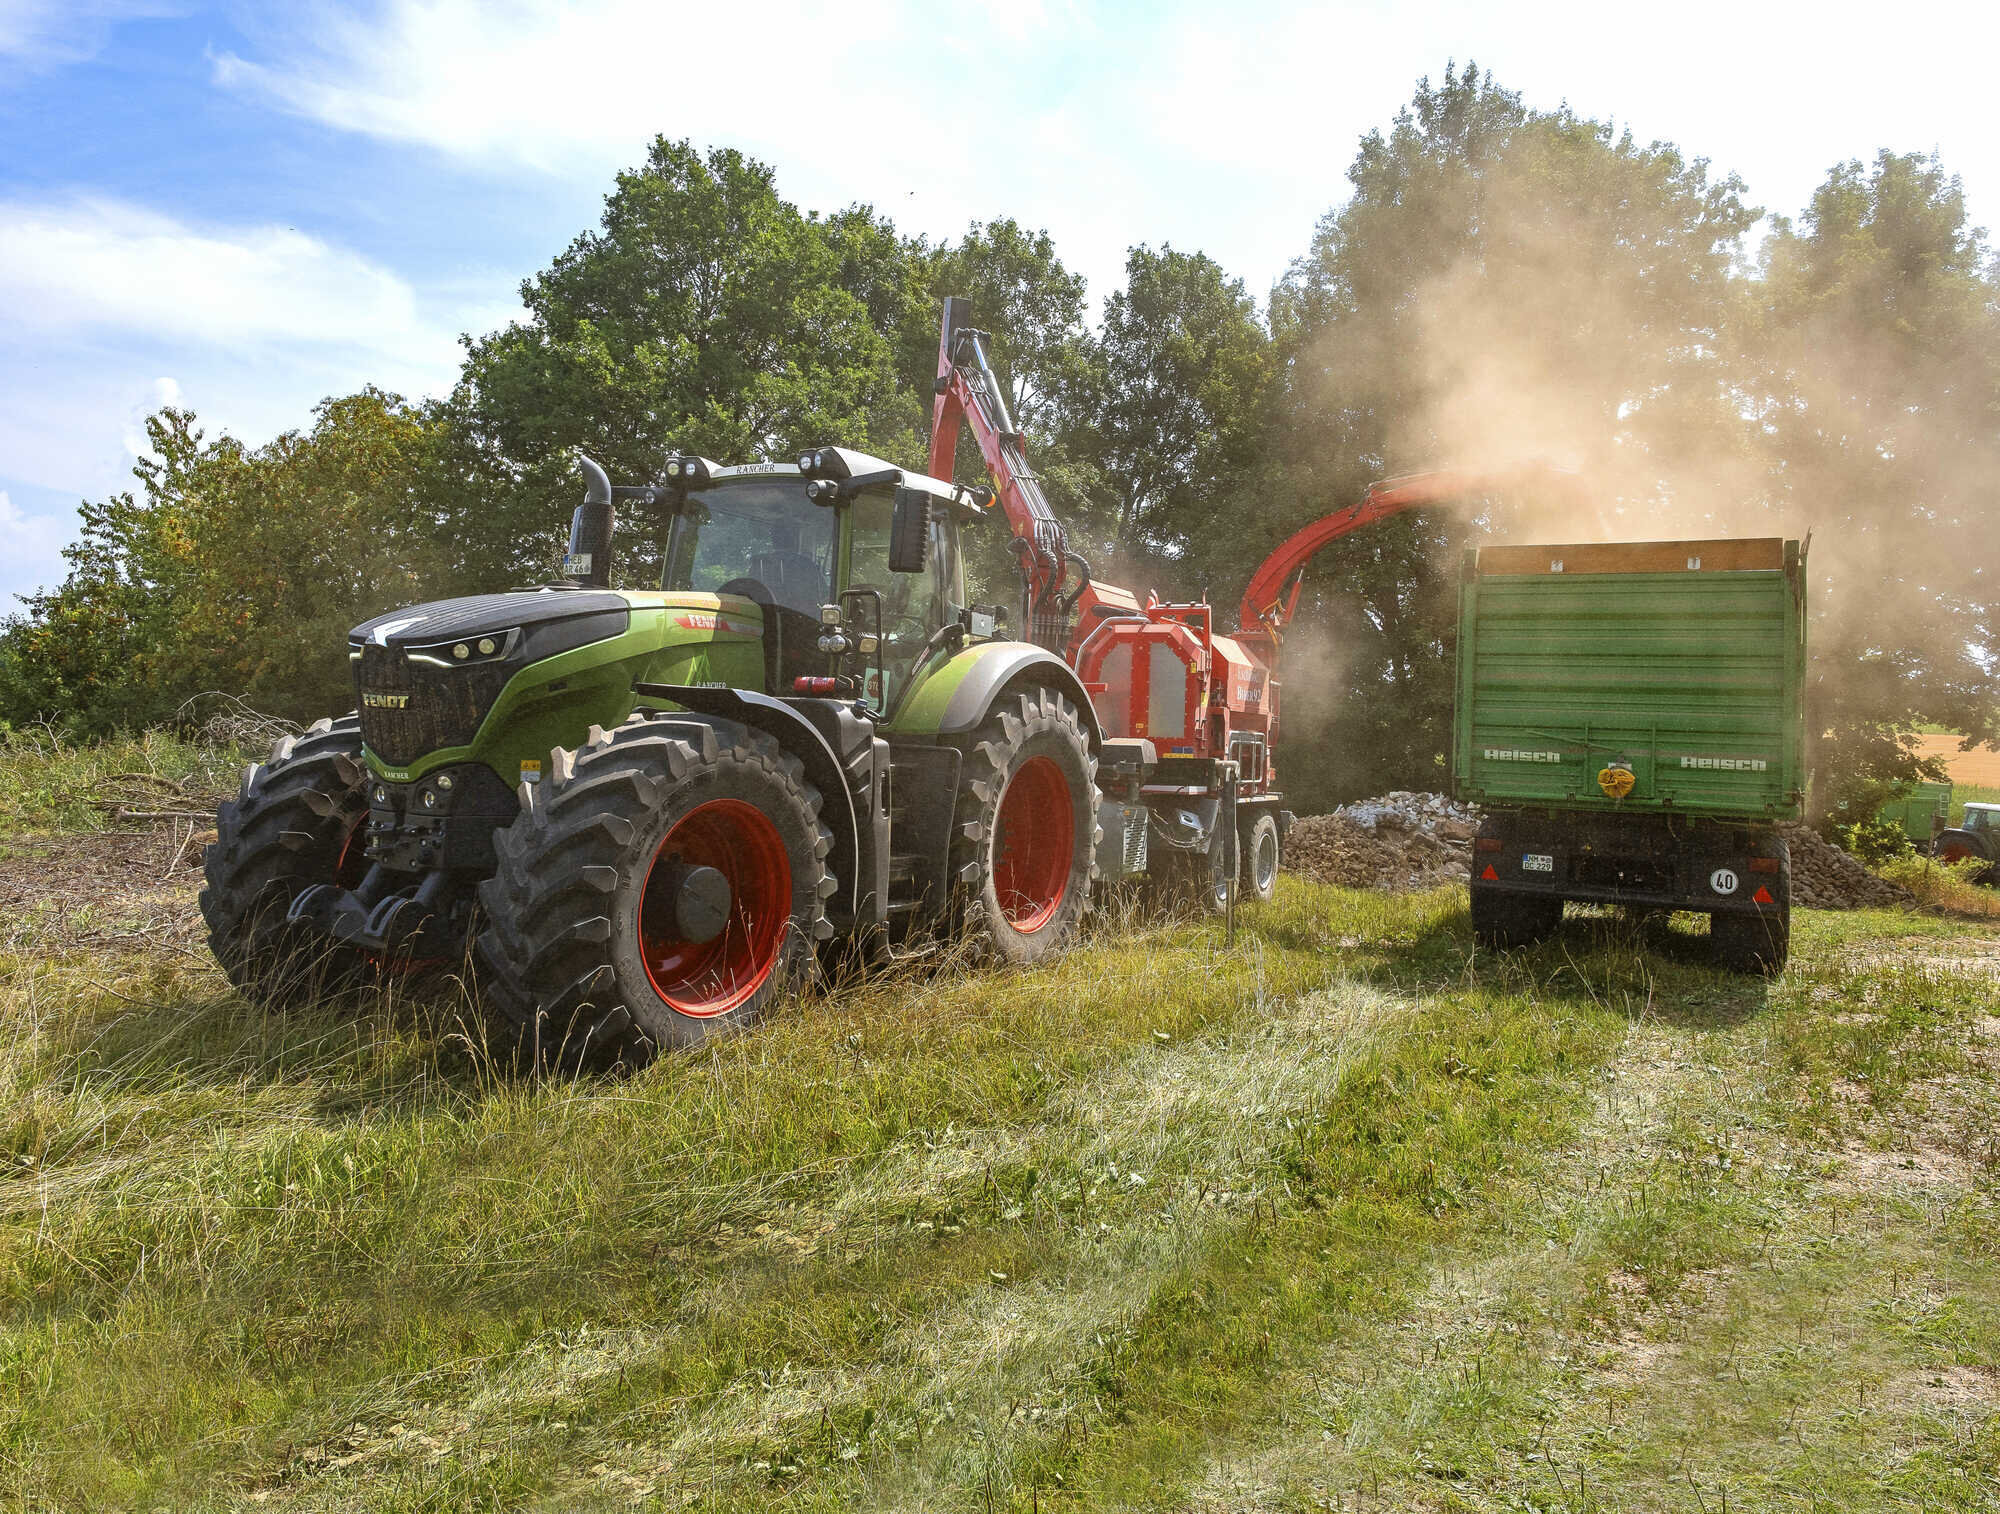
[(909, 532)]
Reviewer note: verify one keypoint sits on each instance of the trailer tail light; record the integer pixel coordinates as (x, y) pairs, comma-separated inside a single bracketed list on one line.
[(1763, 864), (1486, 844)]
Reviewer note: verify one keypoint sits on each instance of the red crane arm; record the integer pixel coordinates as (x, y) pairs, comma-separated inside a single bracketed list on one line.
[(968, 393), (1274, 588)]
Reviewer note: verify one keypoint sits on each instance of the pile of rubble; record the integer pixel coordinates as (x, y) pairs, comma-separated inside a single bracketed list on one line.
[(1825, 877), (1395, 841), (1411, 841)]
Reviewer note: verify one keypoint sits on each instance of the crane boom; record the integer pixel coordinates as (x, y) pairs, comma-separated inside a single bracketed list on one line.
[(969, 392)]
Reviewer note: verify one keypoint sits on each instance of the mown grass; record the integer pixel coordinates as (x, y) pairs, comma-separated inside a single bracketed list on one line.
[(1349, 1212), (962, 1241)]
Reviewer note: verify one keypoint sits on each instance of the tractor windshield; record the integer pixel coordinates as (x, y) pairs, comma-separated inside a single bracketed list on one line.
[(755, 536)]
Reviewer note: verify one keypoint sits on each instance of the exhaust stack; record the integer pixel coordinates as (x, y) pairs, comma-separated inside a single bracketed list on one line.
[(588, 562)]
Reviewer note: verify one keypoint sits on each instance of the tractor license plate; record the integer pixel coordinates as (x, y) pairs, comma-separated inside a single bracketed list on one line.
[(1537, 862)]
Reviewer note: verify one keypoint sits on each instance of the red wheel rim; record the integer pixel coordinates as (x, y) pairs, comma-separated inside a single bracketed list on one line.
[(704, 978), (351, 866), (1036, 835), (1954, 853)]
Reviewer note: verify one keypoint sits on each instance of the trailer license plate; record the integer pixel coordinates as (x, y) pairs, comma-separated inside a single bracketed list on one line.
[(1537, 862)]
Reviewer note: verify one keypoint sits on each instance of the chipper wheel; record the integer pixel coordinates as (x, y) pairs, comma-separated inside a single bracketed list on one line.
[(1024, 837), (659, 886), (296, 822), (1260, 856), (1193, 879)]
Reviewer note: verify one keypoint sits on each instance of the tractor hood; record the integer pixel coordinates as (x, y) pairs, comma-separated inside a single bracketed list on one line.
[(586, 615)]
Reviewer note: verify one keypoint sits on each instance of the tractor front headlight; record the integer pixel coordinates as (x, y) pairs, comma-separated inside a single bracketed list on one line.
[(490, 646)]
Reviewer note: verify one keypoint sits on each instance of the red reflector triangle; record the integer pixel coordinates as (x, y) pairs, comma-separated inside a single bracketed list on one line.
[(1762, 896), (1489, 873)]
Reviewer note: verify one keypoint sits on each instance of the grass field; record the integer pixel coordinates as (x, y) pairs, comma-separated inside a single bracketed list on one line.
[(1349, 1217)]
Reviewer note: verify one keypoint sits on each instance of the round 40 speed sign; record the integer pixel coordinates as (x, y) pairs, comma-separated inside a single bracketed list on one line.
[(1723, 880)]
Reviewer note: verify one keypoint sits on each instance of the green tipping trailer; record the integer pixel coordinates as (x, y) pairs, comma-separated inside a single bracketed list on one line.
[(1629, 718), (1921, 811)]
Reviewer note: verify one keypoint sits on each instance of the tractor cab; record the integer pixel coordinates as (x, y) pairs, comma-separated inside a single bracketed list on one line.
[(853, 563), (1982, 818)]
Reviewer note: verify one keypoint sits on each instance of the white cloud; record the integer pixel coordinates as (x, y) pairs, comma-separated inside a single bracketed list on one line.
[(559, 87), (30, 549), (47, 33), (1224, 129), (106, 266)]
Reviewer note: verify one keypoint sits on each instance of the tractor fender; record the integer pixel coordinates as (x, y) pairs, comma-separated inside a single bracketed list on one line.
[(797, 735), (996, 667)]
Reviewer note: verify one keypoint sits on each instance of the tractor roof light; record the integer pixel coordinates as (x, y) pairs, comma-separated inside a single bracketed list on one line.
[(687, 471), (838, 463), (823, 492)]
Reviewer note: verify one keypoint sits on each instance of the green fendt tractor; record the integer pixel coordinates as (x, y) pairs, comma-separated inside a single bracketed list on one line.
[(644, 810)]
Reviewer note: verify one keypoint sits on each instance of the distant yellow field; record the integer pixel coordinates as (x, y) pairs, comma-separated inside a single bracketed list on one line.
[(1980, 766)]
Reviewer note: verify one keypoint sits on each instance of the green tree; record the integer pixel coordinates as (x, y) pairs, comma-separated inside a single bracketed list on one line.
[(707, 314), (1878, 326), (1504, 285), (1183, 365), (234, 569)]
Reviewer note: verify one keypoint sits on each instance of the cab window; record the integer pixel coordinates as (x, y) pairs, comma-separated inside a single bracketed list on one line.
[(913, 604)]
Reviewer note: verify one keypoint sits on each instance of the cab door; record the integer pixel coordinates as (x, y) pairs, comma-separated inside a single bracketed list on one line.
[(915, 606)]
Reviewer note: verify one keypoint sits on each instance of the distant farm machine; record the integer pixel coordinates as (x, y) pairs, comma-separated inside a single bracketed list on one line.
[(642, 810)]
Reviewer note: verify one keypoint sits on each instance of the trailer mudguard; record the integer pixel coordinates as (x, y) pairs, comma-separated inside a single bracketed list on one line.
[(824, 769), (956, 697)]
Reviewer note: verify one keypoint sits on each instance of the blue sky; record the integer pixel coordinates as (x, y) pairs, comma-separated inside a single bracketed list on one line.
[(243, 208)]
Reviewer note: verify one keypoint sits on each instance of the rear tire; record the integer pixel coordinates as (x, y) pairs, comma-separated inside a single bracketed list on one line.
[(596, 949), (1024, 835), (297, 821), (1751, 944), (1503, 921)]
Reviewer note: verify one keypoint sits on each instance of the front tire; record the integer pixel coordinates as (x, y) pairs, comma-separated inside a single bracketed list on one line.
[(662, 885), (297, 821), (1024, 835)]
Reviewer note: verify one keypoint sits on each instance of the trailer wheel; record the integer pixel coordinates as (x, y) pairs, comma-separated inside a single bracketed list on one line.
[(1502, 920), (1260, 856), (1024, 834), (661, 886), (1744, 943), (1751, 944), (296, 822)]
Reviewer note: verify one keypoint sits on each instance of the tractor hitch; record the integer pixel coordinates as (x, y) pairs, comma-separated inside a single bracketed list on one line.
[(375, 919)]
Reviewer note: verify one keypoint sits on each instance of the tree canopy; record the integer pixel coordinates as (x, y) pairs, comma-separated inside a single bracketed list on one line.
[(1499, 284)]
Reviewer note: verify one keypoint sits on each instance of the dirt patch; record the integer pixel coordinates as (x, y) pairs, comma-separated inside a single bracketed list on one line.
[(1924, 1164), (1956, 1389), (74, 890), (1398, 841)]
